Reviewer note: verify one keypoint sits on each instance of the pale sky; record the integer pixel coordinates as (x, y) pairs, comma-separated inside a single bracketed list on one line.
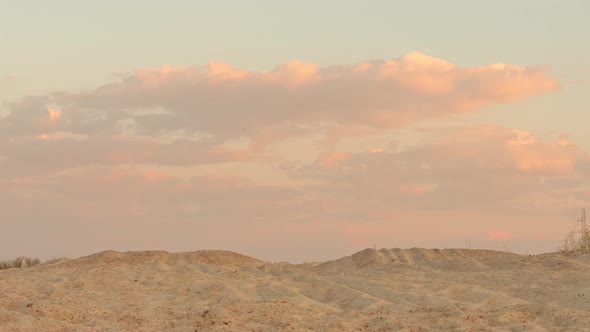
[(291, 130)]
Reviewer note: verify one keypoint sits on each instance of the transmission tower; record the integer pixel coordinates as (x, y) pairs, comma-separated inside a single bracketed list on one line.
[(585, 240)]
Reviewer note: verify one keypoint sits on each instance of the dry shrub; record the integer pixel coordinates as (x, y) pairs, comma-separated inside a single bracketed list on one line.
[(571, 244), (32, 261), (19, 262), (6, 265)]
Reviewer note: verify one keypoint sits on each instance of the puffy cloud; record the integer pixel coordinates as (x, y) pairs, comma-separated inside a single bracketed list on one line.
[(184, 115), (510, 82), (443, 188), (190, 115), (422, 74), (529, 155), (219, 99), (468, 167), (292, 74), (167, 151)]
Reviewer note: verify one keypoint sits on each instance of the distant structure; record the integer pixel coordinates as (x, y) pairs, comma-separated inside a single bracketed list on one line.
[(581, 243), (585, 238), (467, 244)]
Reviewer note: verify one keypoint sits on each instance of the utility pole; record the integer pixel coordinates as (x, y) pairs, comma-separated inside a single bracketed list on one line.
[(585, 240)]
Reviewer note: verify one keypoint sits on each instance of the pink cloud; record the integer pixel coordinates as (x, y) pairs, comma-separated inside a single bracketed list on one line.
[(54, 114), (220, 99), (376, 150), (294, 73), (503, 148), (468, 168), (155, 175), (496, 235), (416, 189), (47, 137), (333, 159), (510, 82), (155, 77), (222, 72), (422, 74), (555, 157), (191, 119)]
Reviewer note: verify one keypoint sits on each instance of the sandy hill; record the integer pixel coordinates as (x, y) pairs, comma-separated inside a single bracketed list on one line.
[(372, 290)]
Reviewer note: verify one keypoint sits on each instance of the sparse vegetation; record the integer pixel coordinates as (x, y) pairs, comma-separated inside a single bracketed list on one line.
[(19, 262), (579, 244)]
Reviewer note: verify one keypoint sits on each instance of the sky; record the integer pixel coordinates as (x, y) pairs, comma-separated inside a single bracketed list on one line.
[(291, 130)]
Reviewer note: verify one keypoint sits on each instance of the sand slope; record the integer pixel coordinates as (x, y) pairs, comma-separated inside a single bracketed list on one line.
[(372, 290)]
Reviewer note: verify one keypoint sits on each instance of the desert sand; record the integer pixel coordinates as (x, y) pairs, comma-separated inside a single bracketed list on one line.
[(372, 290)]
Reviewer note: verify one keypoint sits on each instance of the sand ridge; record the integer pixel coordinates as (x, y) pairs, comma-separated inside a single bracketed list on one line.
[(373, 290)]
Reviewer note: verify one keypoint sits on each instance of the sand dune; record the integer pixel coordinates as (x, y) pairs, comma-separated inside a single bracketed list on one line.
[(372, 290)]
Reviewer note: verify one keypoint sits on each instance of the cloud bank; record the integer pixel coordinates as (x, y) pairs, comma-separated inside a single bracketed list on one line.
[(186, 153)]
